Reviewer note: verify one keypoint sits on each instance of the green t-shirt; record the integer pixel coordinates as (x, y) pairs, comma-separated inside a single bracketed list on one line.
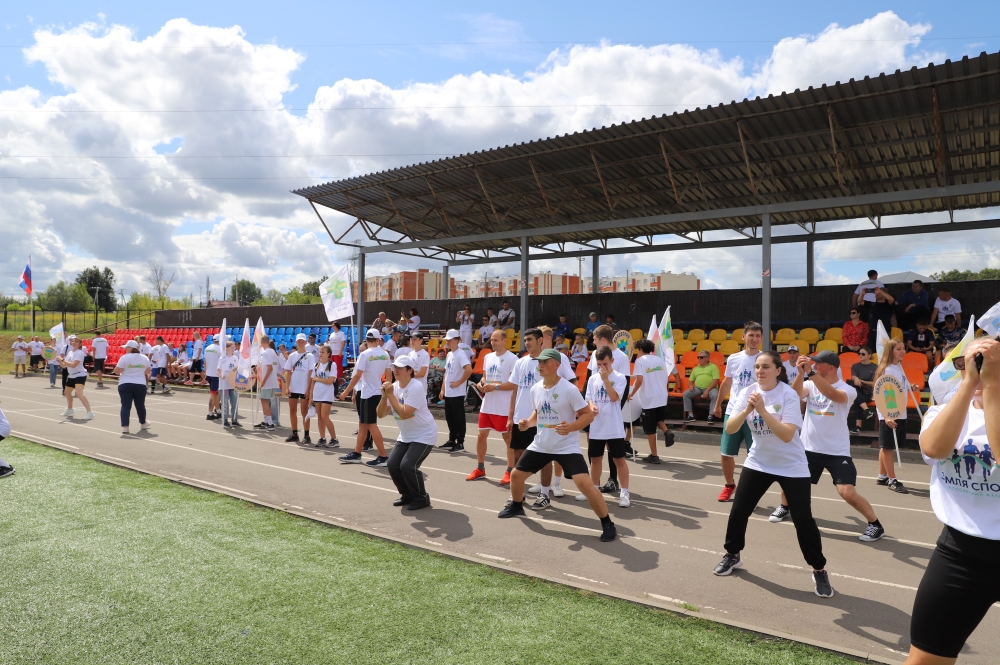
[(702, 377)]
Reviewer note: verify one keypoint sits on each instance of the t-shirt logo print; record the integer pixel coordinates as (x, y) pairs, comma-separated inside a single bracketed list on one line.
[(493, 374), (972, 456), (601, 395), (547, 412)]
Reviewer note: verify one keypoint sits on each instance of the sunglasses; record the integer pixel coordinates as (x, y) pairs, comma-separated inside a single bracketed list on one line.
[(702, 357), (853, 313), (959, 362)]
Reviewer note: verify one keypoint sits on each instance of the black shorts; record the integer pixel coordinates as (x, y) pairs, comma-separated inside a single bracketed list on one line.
[(652, 416), (368, 410), (72, 381), (533, 461), (296, 396), (98, 364), (616, 447), (885, 437), (197, 366), (955, 593), (35, 360), (841, 468), (521, 440)]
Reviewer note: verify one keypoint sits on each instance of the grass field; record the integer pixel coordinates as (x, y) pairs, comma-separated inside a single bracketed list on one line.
[(104, 565)]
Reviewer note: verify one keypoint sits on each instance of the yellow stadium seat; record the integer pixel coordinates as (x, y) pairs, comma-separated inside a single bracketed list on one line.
[(896, 333), (785, 336), (835, 334), (510, 332), (636, 334), (705, 345), (827, 345), (579, 331), (718, 335), (678, 334), (810, 335), (729, 347), (696, 335), (682, 346), (432, 344), (738, 335)]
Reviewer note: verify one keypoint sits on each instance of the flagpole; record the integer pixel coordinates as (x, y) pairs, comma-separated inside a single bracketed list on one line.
[(31, 299)]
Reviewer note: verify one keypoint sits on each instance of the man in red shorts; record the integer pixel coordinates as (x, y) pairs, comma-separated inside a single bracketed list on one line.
[(496, 401)]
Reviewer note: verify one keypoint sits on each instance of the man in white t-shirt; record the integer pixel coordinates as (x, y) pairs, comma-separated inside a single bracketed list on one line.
[(604, 336), (197, 360), (392, 344), (944, 305), (337, 341), (740, 373), (565, 372), (268, 369), (311, 347), (485, 331), (825, 435), (522, 378), (865, 293), (604, 390), (505, 317), (298, 368), (159, 355), (35, 350), (212, 355), (369, 371), (559, 414), (99, 348), (20, 356), (421, 359), (493, 414), (466, 320), (792, 364), (457, 370), (651, 387)]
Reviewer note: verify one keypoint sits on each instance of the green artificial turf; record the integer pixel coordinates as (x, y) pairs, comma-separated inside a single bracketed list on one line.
[(104, 565)]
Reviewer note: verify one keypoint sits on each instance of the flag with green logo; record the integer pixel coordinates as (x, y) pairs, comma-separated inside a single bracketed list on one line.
[(336, 295)]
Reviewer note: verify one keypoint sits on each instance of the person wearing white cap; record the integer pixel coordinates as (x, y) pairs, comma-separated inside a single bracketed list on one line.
[(457, 370), (212, 354), (791, 365), (298, 369), (369, 370), (322, 393), (77, 377), (133, 370), (421, 358), (406, 400), (20, 354)]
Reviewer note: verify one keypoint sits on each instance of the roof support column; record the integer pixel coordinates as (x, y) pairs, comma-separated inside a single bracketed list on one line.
[(524, 289), (765, 279), (595, 286), (361, 301), (810, 263), (445, 283)]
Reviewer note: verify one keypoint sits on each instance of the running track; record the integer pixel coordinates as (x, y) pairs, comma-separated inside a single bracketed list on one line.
[(672, 534)]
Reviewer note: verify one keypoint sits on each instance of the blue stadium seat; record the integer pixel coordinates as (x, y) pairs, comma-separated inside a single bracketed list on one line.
[(297, 331)]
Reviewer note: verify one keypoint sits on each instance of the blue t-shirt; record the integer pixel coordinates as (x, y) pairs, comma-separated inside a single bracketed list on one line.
[(919, 299), (592, 326), (561, 329)]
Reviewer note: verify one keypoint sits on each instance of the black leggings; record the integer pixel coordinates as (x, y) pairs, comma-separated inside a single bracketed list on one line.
[(612, 467), (958, 588), (750, 490), (404, 468), (454, 413), (133, 392)]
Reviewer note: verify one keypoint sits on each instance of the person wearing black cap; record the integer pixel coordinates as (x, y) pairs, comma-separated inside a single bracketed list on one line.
[(825, 435)]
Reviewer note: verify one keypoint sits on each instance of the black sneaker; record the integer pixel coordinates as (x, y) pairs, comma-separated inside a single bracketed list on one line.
[(321, 443), (822, 580), (512, 510), (237, 423), (292, 438), (608, 533), (447, 444), (710, 418), (458, 447), (729, 563), (211, 416), (872, 533), (378, 461), (306, 441), (350, 458), (334, 443), (882, 481), (668, 440), (690, 418), (609, 487), (269, 427), (854, 429), (368, 445), (260, 426), (779, 514), (541, 503), (650, 459), (402, 501), (420, 502), (897, 487), (225, 423)]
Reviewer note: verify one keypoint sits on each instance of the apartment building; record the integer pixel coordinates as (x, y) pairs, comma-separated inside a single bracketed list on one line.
[(420, 284), (639, 281)]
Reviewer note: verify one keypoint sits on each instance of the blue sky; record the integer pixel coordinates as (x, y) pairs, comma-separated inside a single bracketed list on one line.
[(405, 53)]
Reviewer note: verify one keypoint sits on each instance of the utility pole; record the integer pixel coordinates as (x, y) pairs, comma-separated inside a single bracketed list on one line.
[(97, 293), (208, 290), (199, 296)]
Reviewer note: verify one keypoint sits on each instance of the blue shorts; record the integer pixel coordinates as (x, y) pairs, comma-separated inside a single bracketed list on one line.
[(157, 370), (213, 384)]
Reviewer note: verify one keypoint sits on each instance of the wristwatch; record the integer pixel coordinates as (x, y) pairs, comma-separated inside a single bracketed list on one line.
[(811, 373)]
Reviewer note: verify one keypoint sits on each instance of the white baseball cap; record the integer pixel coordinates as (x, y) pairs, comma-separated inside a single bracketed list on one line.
[(301, 336), (452, 334), (404, 361), (372, 335), (793, 348), (20, 336), (131, 344)]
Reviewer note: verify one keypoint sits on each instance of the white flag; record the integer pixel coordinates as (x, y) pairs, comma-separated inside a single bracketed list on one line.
[(945, 379), (258, 332), (666, 348), (654, 335), (222, 339), (990, 321), (336, 295), (57, 333), (881, 337)]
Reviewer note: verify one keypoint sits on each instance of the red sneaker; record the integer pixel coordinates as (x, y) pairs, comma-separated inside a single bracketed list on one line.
[(727, 493), (187, 383), (476, 474), (506, 478)]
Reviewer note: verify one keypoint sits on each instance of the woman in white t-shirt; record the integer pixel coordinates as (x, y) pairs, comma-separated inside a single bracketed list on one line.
[(76, 377), (771, 408), (406, 400), (323, 392), (133, 370), (891, 363), (957, 440)]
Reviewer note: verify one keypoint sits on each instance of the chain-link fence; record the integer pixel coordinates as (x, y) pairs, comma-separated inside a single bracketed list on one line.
[(73, 322)]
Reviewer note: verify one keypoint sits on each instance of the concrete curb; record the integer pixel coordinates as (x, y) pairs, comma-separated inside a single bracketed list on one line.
[(859, 656)]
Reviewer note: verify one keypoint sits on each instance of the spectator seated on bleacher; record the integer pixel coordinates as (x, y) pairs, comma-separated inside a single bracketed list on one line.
[(855, 331), (950, 332), (579, 353), (562, 328), (915, 305), (435, 374), (945, 305), (863, 379), (563, 349), (609, 321), (591, 326), (921, 340), (704, 380)]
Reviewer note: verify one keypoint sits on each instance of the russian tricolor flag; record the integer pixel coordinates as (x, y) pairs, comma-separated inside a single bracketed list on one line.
[(26, 279)]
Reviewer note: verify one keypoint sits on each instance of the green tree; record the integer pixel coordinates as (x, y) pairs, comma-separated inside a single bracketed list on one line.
[(965, 275), (245, 292), (63, 297), (295, 296), (312, 288), (95, 278), (146, 301)]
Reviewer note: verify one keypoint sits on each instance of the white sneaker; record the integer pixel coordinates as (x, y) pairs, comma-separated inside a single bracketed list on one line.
[(624, 502), (67, 412), (534, 489), (125, 430), (144, 426), (557, 491), (89, 416), (581, 497)]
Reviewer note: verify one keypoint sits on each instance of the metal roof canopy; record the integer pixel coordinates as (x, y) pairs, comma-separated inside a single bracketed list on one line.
[(924, 140)]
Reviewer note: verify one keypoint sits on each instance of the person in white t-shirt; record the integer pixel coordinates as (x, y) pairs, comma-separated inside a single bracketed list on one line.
[(604, 336), (495, 410), (559, 413), (891, 363), (505, 317), (864, 295), (421, 358), (944, 305), (77, 377), (53, 362), (739, 375), (369, 370), (771, 408), (485, 331), (651, 387), (35, 349), (406, 400), (604, 390), (466, 320), (323, 392), (391, 345), (792, 364), (160, 356), (825, 435), (298, 368), (227, 370), (20, 356), (212, 354), (412, 321), (337, 341), (99, 349), (566, 372), (133, 370), (197, 360), (958, 440), (522, 378), (457, 370), (268, 370)]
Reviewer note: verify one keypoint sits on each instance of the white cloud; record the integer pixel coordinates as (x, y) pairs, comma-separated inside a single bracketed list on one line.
[(223, 216)]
